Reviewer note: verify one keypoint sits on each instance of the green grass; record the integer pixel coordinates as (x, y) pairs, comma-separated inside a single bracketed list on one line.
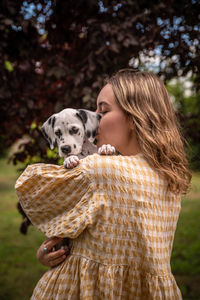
[(186, 251), (20, 270)]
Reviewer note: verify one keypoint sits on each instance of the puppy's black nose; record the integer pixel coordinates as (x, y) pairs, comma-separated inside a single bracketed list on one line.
[(66, 149)]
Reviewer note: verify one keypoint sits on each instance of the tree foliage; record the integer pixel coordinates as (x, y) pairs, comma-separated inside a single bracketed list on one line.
[(188, 112), (56, 54)]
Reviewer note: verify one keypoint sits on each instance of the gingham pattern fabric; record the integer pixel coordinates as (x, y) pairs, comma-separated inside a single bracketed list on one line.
[(121, 218)]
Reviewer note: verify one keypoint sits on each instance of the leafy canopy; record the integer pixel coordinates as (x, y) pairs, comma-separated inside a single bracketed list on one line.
[(56, 54)]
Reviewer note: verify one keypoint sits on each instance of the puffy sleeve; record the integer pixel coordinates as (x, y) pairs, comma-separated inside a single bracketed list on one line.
[(59, 202)]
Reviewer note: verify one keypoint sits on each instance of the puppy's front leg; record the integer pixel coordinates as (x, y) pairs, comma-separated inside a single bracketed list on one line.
[(71, 161)]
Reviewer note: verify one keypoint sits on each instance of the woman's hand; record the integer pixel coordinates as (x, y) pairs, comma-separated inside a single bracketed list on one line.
[(48, 258)]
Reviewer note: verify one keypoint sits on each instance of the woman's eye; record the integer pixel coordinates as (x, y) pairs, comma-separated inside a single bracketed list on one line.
[(103, 112)]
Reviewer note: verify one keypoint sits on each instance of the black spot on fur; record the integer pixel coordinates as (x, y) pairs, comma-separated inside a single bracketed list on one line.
[(48, 138), (74, 146), (94, 132), (49, 121), (58, 133), (82, 115), (53, 122), (88, 133), (44, 133)]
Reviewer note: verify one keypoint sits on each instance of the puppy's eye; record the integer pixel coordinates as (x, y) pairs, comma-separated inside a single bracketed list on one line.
[(73, 130), (58, 133)]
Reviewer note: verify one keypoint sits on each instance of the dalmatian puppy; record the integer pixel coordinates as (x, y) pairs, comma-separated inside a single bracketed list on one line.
[(73, 131)]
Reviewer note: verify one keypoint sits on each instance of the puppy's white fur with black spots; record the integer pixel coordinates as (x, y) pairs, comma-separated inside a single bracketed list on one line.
[(73, 131)]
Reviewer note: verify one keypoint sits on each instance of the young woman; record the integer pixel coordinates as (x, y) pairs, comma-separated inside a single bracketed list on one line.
[(120, 211)]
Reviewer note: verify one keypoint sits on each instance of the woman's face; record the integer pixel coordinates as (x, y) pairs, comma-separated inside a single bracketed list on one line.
[(114, 127)]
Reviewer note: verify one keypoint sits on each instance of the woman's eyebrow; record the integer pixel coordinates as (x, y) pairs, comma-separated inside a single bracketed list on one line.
[(101, 103)]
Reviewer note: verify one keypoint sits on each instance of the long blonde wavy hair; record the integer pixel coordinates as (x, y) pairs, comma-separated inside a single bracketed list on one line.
[(144, 98)]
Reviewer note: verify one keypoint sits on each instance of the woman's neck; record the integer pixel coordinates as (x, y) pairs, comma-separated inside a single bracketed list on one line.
[(132, 147)]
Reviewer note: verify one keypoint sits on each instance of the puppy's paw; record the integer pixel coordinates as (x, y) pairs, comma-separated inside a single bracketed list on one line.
[(71, 162), (106, 150)]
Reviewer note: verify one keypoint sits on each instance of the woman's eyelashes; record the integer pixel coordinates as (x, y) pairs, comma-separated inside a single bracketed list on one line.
[(103, 112)]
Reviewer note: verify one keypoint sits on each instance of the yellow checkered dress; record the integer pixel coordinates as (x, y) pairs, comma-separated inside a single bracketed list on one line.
[(121, 218)]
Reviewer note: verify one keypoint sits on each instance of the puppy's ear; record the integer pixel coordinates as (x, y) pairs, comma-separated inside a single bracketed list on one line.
[(90, 121), (48, 131), (81, 114)]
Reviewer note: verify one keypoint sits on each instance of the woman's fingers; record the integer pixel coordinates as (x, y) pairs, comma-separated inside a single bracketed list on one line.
[(57, 259), (48, 257), (52, 259), (51, 242), (56, 254)]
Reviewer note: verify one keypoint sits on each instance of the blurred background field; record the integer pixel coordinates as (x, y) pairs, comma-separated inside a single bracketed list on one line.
[(20, 270)]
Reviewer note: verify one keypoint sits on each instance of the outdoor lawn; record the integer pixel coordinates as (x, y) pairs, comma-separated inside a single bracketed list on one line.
[(20, 270)]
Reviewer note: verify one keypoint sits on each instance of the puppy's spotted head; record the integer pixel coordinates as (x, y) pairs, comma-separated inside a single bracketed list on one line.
[(68, 129)]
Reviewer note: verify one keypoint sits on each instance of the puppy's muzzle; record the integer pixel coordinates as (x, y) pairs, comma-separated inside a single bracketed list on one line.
[(66, 149), (99, 117)]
